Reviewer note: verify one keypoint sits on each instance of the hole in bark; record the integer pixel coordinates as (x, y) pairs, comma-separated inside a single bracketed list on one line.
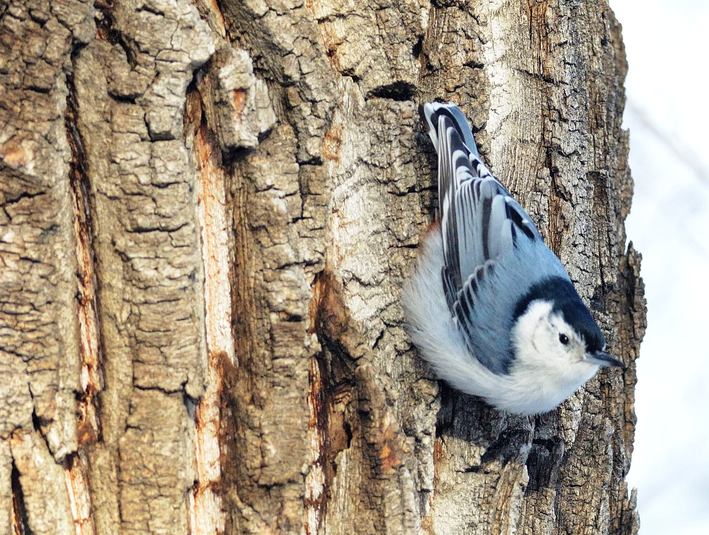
[(399, 91), (444, 419), (418, 47), (474, 469), (38, 422), (130, 99), (348, 432)]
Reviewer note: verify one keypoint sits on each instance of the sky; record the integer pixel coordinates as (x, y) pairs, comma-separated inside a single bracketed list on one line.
[(667, 113)]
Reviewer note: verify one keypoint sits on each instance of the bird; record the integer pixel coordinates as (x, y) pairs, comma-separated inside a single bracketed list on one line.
[(489, 305)]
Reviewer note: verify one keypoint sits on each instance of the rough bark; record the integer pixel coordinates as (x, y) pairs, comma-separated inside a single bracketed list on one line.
[(208, 210)]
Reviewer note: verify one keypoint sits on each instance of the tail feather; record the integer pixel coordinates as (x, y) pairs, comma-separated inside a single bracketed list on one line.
[(433, 110)]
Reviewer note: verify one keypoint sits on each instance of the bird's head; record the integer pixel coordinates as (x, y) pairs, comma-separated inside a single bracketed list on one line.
[(556, 334)]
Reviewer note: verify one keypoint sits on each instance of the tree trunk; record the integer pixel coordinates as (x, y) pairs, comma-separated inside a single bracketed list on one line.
[(208, 211)]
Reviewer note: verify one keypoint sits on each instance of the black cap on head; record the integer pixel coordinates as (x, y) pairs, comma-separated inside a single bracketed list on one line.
[(577, 315), (566, 301)]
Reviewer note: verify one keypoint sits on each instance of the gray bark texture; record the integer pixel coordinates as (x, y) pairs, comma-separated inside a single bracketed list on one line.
[(208, 211)]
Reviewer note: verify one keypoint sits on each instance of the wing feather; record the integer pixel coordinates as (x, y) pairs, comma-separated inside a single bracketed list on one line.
[(475, 209), (481, 224)]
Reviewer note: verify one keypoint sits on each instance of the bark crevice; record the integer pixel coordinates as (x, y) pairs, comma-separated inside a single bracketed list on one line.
[(88, 425), (19, 512)]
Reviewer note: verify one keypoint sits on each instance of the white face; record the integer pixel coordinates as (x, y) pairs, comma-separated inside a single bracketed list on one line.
[(545, 342), (557, 339)]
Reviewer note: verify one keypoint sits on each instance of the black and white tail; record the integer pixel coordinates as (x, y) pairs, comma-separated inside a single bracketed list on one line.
[(433, 110)]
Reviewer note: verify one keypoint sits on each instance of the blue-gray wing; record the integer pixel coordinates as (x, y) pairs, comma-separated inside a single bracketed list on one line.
[(481, 226), (485, 306)]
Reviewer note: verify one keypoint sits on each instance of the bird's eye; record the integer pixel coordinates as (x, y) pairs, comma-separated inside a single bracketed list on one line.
[(563, 339)]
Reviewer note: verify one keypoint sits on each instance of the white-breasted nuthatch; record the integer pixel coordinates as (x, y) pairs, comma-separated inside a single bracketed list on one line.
[(490, 307)]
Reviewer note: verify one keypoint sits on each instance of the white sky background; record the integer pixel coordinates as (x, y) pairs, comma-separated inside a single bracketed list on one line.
[(667, 43)]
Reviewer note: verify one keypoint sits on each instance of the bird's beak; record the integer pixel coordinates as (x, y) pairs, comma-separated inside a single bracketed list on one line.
[(605, 359)]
